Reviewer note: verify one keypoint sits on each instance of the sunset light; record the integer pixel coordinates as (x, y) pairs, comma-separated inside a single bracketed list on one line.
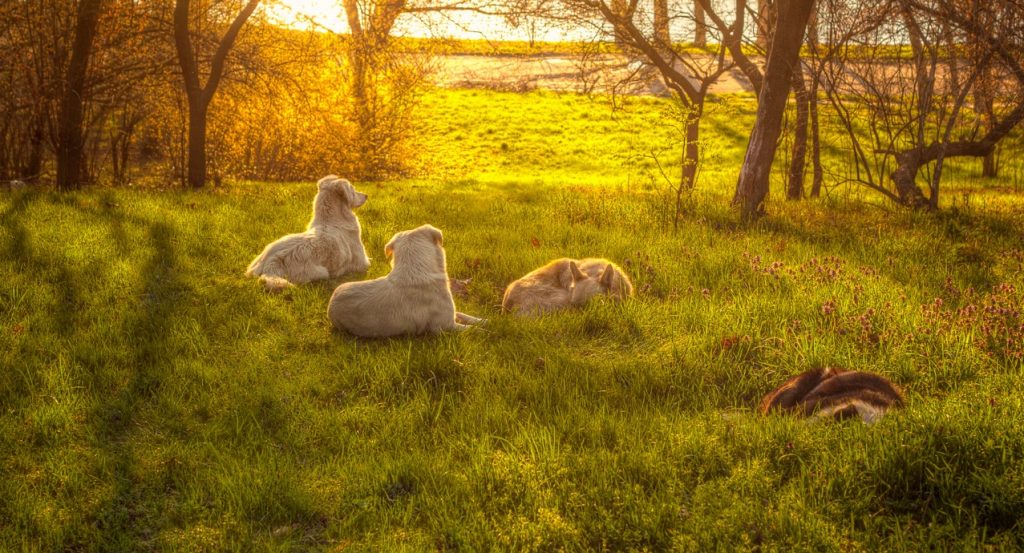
[(574, 275)]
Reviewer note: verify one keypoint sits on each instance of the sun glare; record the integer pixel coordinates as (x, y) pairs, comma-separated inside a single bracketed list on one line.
[(329, 15), (305, 14)]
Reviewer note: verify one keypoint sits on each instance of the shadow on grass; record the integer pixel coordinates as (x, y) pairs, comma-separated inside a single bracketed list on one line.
[(52, 269), (146, 330)]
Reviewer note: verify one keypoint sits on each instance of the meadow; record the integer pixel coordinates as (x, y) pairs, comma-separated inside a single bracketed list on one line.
[(155, 399)]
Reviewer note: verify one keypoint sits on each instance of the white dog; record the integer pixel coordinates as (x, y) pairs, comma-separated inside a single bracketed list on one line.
[(413, 299), (330, 247)]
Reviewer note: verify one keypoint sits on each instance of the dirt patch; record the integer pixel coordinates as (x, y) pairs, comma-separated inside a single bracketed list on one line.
[(605, 73)]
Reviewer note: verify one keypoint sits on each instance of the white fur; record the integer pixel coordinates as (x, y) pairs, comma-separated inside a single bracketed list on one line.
[(330, 247), (869, 413), (414, 298)]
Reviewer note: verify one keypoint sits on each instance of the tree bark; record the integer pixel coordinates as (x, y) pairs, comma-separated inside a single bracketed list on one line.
[(69, 126), (691, 153), (795, 187), (765, 10), (812, 41), (661, 31), (984, 106), (34, 166), (815, 141), (197, 144), (700, 25), (752, 186), (621, 39)]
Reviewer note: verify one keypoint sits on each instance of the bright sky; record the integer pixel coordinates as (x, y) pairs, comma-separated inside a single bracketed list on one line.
[(330, 14)]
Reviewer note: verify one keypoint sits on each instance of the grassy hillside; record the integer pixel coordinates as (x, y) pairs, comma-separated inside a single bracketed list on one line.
[(154, 398)]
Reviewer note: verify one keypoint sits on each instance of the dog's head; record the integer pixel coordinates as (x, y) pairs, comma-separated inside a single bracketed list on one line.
[(335, 195), (420, 248), (583, 286), (609, 282), (615, 283)]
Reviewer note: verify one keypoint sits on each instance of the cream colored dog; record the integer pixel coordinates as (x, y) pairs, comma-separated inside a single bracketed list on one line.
[(565, 283), (330, 247), (413, 299)]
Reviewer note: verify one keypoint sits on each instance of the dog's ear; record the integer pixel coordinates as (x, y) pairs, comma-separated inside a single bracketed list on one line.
[(574, 269), (608, 276), (323, 182), (389, 248), (435, 234)]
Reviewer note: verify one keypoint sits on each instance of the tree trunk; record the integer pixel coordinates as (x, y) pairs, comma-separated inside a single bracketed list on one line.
[(795, 187), (752, 186), (69, 125), (812, 41), (621, 39), (815, 141), (200, 96), (691, 153), (688, 179), (34, 166), (197, 144), (700, 25), (984, 106), (765, 10), (907, 165), (661, 32)]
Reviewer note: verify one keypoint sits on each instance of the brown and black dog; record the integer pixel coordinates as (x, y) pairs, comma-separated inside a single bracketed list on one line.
[(836, 393)]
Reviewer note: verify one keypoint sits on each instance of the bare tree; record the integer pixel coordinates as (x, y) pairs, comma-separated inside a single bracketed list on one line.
[(688, 75), (791, 22), (915, 107), (200, 95)]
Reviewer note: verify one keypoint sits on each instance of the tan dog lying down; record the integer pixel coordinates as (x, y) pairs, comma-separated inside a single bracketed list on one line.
[(414, 298), (565, 283), (834, 393), (330, 247)]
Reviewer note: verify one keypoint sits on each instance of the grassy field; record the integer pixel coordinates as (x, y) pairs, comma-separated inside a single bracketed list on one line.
[(153, 398)]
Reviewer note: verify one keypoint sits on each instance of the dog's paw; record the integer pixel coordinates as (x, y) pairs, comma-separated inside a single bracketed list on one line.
[(275, 285)]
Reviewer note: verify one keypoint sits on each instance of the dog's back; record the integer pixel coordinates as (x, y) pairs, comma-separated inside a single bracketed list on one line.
[(331, 245), (546, 288), (564, 283), (834, 393), (414, 298), (380, 308)]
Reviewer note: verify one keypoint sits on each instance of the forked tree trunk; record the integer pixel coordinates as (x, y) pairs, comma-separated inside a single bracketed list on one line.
[(200, 96), (752, 186), (69, 126)]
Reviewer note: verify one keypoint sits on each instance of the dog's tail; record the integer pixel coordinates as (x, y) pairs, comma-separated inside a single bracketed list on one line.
[(270, 271)]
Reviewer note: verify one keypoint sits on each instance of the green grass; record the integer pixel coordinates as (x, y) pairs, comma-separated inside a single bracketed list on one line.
[(154, 398)]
